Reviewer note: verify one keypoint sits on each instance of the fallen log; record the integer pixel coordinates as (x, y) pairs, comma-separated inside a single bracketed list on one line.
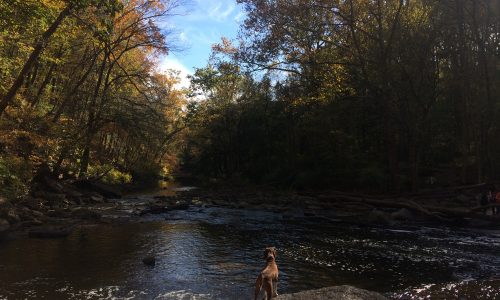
[(408, 204), (437, 213)]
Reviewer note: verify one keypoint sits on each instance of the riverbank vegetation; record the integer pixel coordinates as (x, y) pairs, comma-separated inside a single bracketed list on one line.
[(366, 96), (352, 95), (80, 91)]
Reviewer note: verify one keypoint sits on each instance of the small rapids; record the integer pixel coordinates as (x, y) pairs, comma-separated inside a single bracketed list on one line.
[(215, 253)]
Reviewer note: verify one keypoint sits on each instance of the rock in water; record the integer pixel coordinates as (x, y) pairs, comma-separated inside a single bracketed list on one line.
[(4, 225), (86, 214), (403, 215), (149, 261), (379, 217), (343, 292)]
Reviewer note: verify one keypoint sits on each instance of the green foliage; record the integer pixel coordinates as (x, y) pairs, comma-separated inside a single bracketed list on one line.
[(15, 175), (88, 101), (357, 95), (146, 174), (109, 174)]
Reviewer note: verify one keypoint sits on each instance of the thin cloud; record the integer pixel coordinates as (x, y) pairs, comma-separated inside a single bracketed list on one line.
[(212, 10), (219, 14), (239, 17), (171, 63)]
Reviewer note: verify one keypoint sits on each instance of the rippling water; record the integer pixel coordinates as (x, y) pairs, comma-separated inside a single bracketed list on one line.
[(215, 253)]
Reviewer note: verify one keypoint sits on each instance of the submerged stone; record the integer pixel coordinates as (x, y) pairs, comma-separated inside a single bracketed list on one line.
[(149, 261)]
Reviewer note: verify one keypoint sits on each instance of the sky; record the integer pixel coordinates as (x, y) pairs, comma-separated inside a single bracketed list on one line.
[(197, 25)]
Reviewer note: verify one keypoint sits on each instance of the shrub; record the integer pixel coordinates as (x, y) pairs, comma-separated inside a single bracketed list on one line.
[(109, 174), (15, 175)]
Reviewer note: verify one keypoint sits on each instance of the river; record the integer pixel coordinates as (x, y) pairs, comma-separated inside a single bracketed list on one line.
[(215, 253)]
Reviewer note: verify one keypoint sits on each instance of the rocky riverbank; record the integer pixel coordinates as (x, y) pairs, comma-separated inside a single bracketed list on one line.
[(453, 206), (54, 208)]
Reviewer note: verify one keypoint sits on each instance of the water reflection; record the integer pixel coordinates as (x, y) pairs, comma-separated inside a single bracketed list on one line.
[(215, 254)]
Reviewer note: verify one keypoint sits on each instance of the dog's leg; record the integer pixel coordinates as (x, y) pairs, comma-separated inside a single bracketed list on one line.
[(275, 288), (269, 288), (258, 285)]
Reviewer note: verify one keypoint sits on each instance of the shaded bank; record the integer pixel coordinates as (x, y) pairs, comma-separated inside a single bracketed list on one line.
[(55, 207)]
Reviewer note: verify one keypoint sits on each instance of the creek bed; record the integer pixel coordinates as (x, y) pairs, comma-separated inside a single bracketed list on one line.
[(215, 253)]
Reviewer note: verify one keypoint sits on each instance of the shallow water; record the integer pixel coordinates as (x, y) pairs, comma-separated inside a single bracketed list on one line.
[(215, 253)]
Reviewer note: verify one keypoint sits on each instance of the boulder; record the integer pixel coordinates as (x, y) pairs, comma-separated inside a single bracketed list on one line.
[(179, 205), (153, 209), (26, 214), (58, 213), (403, 215), (56, 200), (34, 222), (4, 225), (71, 192), (86, 214), (44, 181), (379, 217), (37, 214), (343, 292), (101, 188), (96, 198), (12, 216), (34, 203), (295, 213)]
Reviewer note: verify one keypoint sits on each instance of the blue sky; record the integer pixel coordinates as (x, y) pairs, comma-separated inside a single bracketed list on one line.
[(200, 24)]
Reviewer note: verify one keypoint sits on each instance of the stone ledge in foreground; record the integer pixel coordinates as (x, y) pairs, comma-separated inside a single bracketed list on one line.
[(343, 292)]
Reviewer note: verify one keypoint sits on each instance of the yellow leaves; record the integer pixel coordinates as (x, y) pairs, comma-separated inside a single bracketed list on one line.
[(53, 4), (225, 47)]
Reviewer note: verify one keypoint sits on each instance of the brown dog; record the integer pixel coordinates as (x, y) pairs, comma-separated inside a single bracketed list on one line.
[(266, 286)]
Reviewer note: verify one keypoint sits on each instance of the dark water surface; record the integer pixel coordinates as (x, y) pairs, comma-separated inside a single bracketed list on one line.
[(215, 253)]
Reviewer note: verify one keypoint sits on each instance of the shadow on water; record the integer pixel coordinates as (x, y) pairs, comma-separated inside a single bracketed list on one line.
[(215, 253)]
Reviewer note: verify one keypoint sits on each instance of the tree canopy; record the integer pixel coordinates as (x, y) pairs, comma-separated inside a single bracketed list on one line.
[(356, 95), (81, 91), (371, 95)]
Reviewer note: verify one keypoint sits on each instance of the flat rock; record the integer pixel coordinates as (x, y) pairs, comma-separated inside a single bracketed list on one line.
[(343, 292)]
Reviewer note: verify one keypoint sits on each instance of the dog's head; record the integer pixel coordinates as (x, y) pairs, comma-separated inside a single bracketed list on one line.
[(270, 253)]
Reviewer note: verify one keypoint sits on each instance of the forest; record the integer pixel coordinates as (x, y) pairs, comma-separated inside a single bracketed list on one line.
[(353, 95), (373, 96), (356, 142)]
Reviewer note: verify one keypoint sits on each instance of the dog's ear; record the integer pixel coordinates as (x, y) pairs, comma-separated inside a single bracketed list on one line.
[(273, 249)]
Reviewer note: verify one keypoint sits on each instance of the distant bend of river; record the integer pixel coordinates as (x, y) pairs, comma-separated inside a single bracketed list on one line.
[(215, 253)]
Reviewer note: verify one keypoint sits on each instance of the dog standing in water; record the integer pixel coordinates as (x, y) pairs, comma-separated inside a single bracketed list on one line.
[(266, 286)]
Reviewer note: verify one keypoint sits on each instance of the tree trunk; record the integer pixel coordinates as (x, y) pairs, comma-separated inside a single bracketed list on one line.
[(46, 81), (11, 93), (91, 126)]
